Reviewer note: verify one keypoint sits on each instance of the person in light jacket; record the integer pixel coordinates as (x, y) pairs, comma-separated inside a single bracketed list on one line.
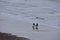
[(36, 26), (33, 26)]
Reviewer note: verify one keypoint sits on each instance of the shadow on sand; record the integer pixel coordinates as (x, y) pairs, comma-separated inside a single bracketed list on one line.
[(41, 30), (9, 36)]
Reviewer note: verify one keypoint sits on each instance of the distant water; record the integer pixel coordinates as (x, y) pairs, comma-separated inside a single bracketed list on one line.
[(41, 11)]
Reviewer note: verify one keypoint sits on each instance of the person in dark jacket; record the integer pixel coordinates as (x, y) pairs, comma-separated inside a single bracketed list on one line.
[(36, 26), (33, 26)]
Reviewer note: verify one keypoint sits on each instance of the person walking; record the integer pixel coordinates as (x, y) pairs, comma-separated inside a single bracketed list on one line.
[(33, 26), (36, 26)]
